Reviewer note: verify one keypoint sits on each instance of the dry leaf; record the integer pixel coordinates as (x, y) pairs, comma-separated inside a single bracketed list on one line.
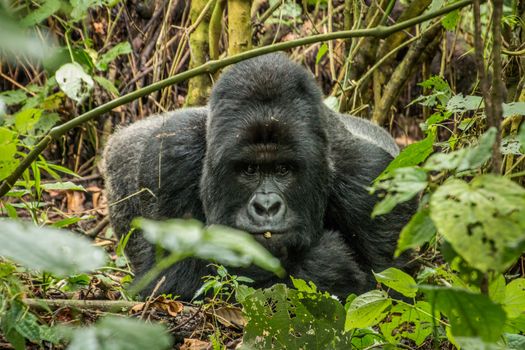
[(230, 316), (171, 307), (195, 344), (75, 201)]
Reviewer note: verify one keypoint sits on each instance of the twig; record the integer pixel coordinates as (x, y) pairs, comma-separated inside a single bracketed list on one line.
[(207, 68)]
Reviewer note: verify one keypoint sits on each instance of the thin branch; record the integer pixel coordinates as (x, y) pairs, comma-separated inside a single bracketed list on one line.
[(210, 67)]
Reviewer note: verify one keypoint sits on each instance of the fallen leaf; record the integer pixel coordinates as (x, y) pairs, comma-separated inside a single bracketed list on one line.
[(75, 201), (171, 307), (230, 316)]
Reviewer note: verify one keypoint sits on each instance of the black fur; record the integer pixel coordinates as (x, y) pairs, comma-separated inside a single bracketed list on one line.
[(264, 111)]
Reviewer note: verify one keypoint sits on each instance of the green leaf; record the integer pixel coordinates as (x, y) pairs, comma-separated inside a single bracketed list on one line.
[(513, 108), (450, 21), (62, 186), (367, 310), (106, 84), (419, 230), (120, 333), (470, 314), (514, 303), (514, 341), (45, 249), (81, 7), (465, 158), (117, 50), (26, 120), (497, 289), (75, 83), (484, 221), (13, 97), (283, 318), (471, 343), (402, 186), (218, 243), (408, 322), (460, 103), (398, 280), (332, 102), (48, 8), (323, 49), (412, 155)]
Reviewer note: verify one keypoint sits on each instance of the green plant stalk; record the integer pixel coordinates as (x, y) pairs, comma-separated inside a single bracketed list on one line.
[(210, 67)]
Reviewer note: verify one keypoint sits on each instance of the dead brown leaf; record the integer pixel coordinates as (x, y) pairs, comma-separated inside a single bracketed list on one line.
[(171, 307), (230, 316), (195, 344), (75, 201)]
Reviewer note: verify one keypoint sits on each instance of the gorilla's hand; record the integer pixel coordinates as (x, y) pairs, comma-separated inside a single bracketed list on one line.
[(331, 266)]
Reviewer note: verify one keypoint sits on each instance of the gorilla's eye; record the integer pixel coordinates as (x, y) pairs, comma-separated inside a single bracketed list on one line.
[(250, 169), (282, 170)]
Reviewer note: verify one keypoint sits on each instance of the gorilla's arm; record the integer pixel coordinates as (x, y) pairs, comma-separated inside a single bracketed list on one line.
[(330, 264), (357, 162), (173, 143)]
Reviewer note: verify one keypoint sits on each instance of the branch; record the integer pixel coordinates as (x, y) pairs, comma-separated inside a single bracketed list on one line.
[(210, 67)]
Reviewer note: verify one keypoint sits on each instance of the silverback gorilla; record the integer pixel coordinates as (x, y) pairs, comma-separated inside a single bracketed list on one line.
[(265, 155)]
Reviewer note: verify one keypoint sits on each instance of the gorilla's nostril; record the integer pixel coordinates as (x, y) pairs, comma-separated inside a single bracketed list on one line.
[(274, 208), (259, 209)]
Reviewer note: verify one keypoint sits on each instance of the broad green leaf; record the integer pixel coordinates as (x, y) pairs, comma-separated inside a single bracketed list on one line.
[(450, 21), (218, 243), (402, 185), (513, 108), (470, 314), (484, 221), (323, 49), (514, 303), (412, 155), (121, 333), (521, 136), (117, 50), (398, 280), (8, 150), (62, 186), (465, 158), (13, 97), (81, 7), (441, 92), (367, 310), (26, 120), (460, 103), (106, 84), (48, 8), (75, 83), (419, 230), (408, 322), (283, 318), (46, 249)]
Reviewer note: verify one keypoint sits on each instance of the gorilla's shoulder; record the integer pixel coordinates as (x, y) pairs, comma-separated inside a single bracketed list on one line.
[(369, 132)]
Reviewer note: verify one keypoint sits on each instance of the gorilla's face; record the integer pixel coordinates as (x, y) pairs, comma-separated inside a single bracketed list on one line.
[(266, 166)]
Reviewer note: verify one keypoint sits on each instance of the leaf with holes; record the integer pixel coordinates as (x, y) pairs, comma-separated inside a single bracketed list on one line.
[(484, 221), (74, 81)]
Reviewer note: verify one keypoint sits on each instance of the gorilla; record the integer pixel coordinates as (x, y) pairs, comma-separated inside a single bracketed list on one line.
[(265, 156)]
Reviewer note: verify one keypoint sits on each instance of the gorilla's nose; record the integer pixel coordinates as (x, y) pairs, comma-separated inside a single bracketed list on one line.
[(265, 207)]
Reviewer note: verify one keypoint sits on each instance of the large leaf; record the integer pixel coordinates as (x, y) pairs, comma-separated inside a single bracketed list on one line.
[(484, 221), (119, 333), (219, 243), (513, 108), (398, 280), (117, 50), (470, 314), (45, 249), (74, 81), (283, 318), (460, 103), (367, 310)]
